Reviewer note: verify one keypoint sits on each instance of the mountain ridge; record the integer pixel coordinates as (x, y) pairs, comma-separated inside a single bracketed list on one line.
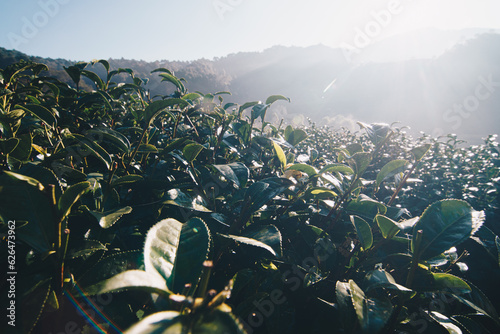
[(324, 86)]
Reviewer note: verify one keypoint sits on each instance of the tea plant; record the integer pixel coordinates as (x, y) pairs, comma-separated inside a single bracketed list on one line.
[(194, 215)]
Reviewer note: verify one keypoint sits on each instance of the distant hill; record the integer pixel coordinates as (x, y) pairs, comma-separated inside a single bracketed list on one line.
[(451, 86)]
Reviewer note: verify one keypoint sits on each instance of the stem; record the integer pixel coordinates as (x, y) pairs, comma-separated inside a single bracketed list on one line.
[(139, 144), (339, 203), (401, 184), (415, 259), (409, 281)]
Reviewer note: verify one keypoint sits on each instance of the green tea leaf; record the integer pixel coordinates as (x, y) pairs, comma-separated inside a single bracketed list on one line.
[(112, 136), (296, 136), (309, 170), (444, 281), (364, 232), (155, 108), (343, 296), (127, 179), (366, 207), (40, 112), (273, 98), (235, 172), (191, 151), (420, 151), (178, 198), (70, 196), (359, 162), (170, 322), (445, 224), (192, 251), (388, 227), (22, 151), (130, 280), (147, 149), (8, 145), (22, 199), (249, 242), (280, 155), (269, 235), (109, 218), (390, 169), (372, 313), (337, 168), (174, 80), (445, 322), (316, 193), (161, 246)]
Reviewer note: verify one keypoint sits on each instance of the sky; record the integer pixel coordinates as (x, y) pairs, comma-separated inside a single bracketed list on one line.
[(192, 29)]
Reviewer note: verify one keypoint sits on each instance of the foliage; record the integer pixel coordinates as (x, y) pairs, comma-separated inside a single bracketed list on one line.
[(191, 219)]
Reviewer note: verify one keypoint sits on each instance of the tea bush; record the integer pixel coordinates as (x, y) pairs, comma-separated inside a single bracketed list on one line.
[(181, 213)]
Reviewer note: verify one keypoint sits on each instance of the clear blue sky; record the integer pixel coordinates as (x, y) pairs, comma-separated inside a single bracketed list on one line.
[(192, 29)]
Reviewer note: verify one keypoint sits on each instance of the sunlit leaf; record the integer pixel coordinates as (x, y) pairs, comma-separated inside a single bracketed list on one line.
[(387, 226), (309, 170), (420, 151), (280, 155)]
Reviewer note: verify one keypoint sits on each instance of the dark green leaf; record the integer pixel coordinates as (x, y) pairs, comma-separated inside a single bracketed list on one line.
[(236, 172), (364, 232), (155, 108), (170, 322), (445, 322), (192, 251), (261, 192), (147, 148), (127, 179), (445, 224), (191, 151), (22, 152), (8, 145), (114, 137), (22, 199), (70, 196), (172, 79), (40, 112), (366, 207), (178, 198), (296, 136), (94, 77), (269, 235), (372, 313), (345, 304)]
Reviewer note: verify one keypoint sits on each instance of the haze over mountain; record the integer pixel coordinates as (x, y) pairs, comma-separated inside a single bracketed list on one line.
[(434, 81)]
